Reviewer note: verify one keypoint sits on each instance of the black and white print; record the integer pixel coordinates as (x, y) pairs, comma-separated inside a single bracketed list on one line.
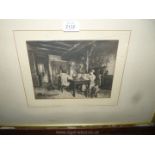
[(72, 69)]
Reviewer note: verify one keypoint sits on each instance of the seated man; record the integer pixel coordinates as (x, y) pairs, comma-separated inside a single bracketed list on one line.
[(64, 80), (92, 78), (93, 87)]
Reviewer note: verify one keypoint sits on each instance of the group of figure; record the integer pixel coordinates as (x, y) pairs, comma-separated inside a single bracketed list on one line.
[(94, 77), (64, 79)]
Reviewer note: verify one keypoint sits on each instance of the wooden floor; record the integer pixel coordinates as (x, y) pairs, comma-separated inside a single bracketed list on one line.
[(41, 93)]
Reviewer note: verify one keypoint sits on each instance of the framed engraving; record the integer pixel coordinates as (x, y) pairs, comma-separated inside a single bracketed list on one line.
[(72, 68)]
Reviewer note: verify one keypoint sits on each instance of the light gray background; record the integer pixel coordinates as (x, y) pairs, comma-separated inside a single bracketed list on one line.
[(137, 97)]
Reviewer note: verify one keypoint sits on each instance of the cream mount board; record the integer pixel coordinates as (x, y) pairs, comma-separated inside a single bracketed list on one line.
[(110, 45)]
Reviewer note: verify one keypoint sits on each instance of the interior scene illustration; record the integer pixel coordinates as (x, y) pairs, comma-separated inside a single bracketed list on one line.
[(72, 69)]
